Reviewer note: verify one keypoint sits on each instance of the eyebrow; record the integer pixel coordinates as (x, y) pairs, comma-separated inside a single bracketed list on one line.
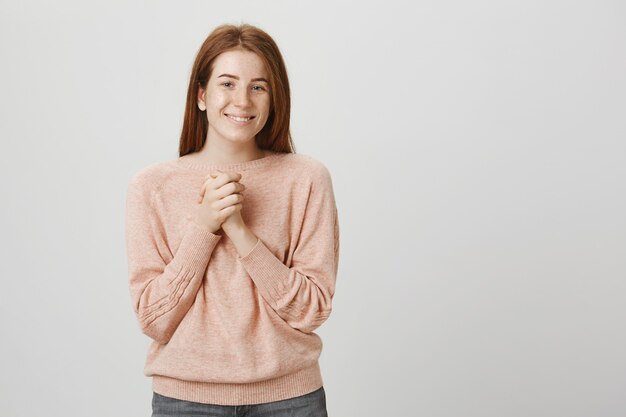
[(236, 78)]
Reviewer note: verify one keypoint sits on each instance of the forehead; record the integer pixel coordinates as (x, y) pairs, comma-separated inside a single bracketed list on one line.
[(242, 63)]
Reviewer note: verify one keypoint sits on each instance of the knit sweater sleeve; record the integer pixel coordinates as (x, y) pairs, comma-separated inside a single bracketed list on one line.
[(162, 292), (302, 293)]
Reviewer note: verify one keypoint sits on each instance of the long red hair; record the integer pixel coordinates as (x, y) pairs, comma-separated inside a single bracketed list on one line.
[(275, 135)]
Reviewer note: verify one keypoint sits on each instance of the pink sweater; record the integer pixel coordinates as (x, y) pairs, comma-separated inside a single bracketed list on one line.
[(227, 329)]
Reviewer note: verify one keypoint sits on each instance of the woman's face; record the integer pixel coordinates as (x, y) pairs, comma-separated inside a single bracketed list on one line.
[(238, 87)]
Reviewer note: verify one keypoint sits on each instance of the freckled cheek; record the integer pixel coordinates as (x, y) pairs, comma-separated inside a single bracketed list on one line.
[(263, 105), (218, 102)]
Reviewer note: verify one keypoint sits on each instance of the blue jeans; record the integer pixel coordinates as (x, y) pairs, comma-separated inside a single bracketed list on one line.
[(312, 404)]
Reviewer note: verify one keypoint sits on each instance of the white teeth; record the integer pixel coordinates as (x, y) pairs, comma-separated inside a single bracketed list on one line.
[(239, 119)]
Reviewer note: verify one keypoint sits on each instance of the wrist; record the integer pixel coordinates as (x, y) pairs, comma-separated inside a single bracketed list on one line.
[(205, 226), (235, 229)]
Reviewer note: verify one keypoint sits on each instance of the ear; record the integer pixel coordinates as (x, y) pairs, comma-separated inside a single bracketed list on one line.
[(200, 99)]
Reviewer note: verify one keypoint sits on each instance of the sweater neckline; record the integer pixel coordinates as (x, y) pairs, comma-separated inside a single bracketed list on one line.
[(237, 166)]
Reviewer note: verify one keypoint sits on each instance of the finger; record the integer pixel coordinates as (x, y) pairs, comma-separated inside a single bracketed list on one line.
[(227, 211), (229, 200), (234, 176), (223, 178), (230, 188), (213, 174), (216, 172), (201, 192)]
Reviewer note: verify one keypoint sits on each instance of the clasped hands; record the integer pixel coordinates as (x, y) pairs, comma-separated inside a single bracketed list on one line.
[(219, 206)]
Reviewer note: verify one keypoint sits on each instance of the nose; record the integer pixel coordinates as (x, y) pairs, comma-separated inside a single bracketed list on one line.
[(241, 98)]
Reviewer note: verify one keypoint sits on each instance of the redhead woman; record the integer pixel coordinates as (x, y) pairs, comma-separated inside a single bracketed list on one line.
[(233, 247)]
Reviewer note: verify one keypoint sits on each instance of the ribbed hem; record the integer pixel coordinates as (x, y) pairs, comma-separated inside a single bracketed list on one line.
[(196, 246), (239, 166), (288, 386), (267, 271)]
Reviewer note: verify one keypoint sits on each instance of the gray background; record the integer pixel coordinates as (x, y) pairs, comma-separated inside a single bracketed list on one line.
[(478, 159)]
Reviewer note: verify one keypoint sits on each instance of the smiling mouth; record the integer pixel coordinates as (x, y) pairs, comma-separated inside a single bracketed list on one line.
[(239, 118)]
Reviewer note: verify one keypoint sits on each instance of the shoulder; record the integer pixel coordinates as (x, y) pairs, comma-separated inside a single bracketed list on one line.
[(150, 178), (307, 167)]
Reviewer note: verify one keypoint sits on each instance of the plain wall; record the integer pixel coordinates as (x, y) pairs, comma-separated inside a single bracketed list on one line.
[(478, 158)]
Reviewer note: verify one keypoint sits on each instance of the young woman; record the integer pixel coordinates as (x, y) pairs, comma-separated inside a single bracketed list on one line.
[(233, 247)]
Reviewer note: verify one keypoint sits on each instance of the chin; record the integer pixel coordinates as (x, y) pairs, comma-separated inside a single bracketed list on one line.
[(240, 139)]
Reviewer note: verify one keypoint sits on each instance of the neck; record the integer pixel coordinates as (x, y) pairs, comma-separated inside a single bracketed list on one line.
[(215, 152)]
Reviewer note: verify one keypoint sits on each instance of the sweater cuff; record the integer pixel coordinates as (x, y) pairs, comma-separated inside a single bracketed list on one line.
[(196, 247), (268, 273)]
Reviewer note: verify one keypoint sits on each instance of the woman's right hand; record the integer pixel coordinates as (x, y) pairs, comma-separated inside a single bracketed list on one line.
[(219, 197)]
